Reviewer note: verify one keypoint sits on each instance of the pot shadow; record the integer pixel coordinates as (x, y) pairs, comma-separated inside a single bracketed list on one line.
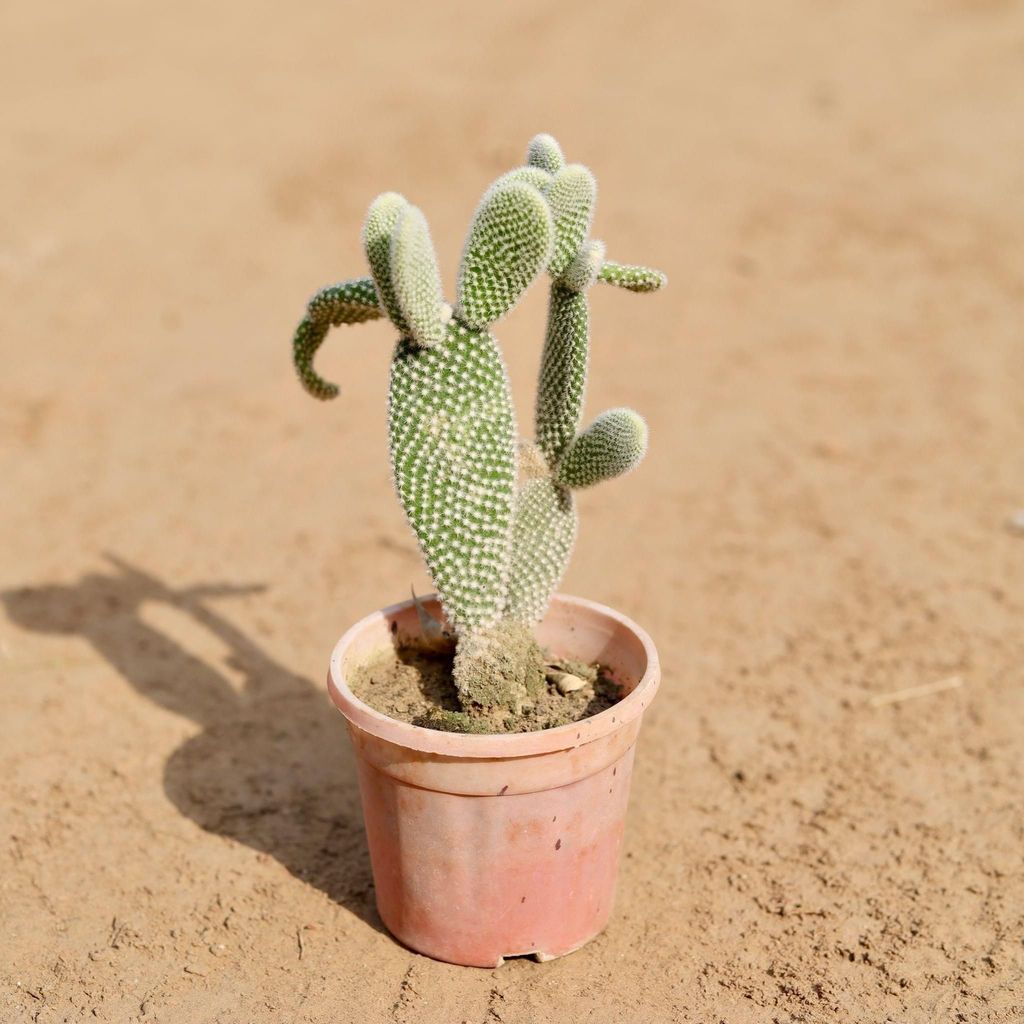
[(270, 767)]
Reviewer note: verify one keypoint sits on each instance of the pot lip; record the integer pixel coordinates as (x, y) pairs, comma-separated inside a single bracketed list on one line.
[(494, 745)]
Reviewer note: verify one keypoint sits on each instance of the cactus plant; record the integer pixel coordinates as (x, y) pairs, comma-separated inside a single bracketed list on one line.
[(494, 516)]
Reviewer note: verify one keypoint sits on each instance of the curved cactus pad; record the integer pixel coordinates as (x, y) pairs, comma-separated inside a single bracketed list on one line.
[(634, 279), (416, 279), (509, 241), (612, 445), (379, 227), (351, 302), (452, 433)]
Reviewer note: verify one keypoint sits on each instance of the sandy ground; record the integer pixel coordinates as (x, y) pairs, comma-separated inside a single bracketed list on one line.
[(833, 382)]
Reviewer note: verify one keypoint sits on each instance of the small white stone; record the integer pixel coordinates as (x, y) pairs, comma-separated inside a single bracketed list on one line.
[(566, 682)]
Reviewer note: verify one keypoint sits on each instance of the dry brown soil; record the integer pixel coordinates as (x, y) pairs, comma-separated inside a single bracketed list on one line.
[(834, 385), (416, 685)]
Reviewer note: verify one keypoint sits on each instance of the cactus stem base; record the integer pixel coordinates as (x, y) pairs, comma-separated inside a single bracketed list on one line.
[(501, 668)]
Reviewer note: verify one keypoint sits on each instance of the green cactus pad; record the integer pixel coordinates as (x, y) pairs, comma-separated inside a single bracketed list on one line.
[(543, 151), (416, 279), (613, 444), (351, 302), (543, 534), (452, 432), (632, 278), (563, 372), (571, 197), (509, 241), (378, 230), (535, 176)]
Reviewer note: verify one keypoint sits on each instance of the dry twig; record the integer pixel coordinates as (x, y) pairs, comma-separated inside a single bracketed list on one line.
[(912, 692)]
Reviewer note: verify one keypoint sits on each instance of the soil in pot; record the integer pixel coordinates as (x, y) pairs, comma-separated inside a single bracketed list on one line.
[(414, 684)]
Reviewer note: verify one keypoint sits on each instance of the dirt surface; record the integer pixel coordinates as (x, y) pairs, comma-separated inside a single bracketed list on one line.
[(415, 685), (833, 383)]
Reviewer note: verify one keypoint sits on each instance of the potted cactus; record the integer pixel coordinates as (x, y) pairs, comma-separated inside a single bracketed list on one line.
[(488, 836)]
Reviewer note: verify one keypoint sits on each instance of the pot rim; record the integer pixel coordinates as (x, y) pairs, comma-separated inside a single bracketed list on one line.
[(493, 745)]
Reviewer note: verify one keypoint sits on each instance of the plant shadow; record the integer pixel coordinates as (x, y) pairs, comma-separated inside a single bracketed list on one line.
[(270, 767)]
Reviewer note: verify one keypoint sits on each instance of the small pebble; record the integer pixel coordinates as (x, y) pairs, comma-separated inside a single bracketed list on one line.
[(566, 682)]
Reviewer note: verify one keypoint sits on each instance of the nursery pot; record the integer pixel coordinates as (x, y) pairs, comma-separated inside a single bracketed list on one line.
[(486, 847)]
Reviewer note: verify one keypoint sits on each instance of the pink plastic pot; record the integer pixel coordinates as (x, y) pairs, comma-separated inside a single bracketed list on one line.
[(485, 847)]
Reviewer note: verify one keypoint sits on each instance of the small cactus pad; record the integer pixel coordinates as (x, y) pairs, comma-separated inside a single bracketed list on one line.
[(509, 241), (416, 279), (634, 279), (381, 220), (535, 176), (613, 444), (571, 197), (543, 151), (584, 270)]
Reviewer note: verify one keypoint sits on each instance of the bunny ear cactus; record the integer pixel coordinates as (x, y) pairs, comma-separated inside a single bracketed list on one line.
[(494, 516)]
